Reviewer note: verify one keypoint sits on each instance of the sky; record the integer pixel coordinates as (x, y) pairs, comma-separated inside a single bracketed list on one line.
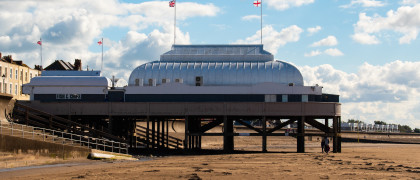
[(367, 51)]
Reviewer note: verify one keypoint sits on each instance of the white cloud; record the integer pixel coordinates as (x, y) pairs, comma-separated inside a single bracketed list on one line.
[(364, 38), (410, 2), (328, 41), (313, 30), (286, 4), (404, 21), (250, 17), (365, 3), (389, 92), (69, 29), (333, 52), (313, 53), (329, 52), (273, 39)]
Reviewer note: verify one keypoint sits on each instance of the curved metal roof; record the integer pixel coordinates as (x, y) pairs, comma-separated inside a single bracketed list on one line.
[(218, 73), (70, 81), (231, 52)]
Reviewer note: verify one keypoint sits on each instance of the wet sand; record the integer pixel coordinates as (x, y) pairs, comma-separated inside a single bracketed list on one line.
[(357, 161)]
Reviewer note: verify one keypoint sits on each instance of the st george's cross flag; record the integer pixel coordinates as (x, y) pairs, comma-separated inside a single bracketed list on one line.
[(257, 3), (172, 3)]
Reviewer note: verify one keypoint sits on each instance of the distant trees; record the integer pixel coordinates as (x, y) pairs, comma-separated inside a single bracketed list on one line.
[(405, 128), (416, 130), (380, 122), (354, 121)]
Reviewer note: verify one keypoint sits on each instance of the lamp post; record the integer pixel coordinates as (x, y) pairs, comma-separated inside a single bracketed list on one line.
[(4, 89)]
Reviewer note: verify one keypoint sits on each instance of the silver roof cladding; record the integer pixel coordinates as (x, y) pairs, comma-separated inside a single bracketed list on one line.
[(234, 52), (218, 73)]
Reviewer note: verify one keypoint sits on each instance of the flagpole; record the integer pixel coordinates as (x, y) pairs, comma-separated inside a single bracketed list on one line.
[(175, 23), (102, 62), (41, 52), (261, 21)]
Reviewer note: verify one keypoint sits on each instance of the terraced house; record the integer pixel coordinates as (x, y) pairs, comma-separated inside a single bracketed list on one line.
[(14, 73)]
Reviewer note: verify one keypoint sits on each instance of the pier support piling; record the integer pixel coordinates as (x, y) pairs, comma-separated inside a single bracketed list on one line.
[(228, 145), (301, 135)]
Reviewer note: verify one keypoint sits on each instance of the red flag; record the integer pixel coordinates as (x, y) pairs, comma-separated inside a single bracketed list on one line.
[(99, 42), (40, 43), (257, 3), (172, 3)]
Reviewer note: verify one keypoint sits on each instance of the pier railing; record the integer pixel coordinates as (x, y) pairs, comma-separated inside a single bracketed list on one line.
[(158, 139), (54, 136)]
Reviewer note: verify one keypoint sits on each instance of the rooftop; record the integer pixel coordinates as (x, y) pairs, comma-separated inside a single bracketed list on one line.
[(234, 52)]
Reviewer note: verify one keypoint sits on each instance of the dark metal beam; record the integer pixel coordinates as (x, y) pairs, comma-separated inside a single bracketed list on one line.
[(318, 125), (281, 125), (211, 125), (248, 126)]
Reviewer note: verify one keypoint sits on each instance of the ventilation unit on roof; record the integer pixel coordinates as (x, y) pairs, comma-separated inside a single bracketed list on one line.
[(179, 80), (198, 80)]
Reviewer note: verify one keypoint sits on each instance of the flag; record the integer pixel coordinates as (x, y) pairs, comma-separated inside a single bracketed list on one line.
[(39, 42), (172, 3), (99, 42), (257, 3)]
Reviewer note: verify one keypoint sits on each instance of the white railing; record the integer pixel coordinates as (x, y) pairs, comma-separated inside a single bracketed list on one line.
[(59, 136)]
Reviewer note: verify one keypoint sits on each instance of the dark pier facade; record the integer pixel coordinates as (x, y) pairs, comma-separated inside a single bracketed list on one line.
[(121, 119)]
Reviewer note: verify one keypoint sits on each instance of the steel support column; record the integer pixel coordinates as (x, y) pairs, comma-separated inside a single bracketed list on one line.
[(301, 135), (163, 132), (153, 133), (158, 132), (335, 130), (228, 145), (147, 132), (264, 134), (186, 139), (339, 135)]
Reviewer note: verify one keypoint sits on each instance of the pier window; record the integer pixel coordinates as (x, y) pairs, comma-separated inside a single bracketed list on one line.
[(16, 74), (305, 98), (11, 73), (284, 98)]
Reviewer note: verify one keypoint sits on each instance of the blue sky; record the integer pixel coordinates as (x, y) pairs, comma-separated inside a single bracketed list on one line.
[(364, 50)]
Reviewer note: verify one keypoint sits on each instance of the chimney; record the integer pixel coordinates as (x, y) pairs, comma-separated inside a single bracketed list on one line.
[(38, 67), (77, 65), (8, 58)]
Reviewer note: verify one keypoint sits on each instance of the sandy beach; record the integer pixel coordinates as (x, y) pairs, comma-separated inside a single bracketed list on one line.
[(357, 161)]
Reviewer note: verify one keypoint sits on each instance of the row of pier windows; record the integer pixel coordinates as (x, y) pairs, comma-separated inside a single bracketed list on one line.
[(152, 82)]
